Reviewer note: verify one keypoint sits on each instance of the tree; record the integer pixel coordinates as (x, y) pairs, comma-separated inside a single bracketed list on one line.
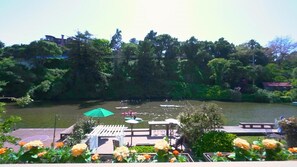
[(218, 67), (39, 51), (87, 78), (116, 41), (145, 70), (196, 120), (281, 47), (6, 125), (222, 48), (2, 45)]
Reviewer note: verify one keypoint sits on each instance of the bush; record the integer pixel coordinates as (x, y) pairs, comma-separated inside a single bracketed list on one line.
[(80, 129), (143, 149), (196, 120), (213, 141)]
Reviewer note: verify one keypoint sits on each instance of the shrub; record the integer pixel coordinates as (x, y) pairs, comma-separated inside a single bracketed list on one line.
[(143, 149), (80, 129), (213, 141), (196, 120)]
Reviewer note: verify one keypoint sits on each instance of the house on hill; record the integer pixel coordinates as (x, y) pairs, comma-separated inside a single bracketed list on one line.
[(280, 86)]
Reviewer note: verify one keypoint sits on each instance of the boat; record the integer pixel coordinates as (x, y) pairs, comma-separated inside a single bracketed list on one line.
[(294, 103), (121, 108), (137, 118), (170, 106)]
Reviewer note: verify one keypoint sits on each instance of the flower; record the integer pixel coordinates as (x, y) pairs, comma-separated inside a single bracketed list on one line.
[(59, 144), (133, 151), (175, 153), (3, 150), (161, 145), (78, 149), (241, 143), (270, 144), (220, 154), (147, 156), (22, 143), (293, 149), (121, 153), (41, 154), (95, 157), (256, 147), (141, 158), (172, 160), (33, 144)]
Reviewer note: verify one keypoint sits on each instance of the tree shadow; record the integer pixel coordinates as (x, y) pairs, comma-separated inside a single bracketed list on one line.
[(88, 104)]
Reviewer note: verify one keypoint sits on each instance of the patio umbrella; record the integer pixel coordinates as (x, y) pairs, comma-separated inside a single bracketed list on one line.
[(98, 113), (131, 122)]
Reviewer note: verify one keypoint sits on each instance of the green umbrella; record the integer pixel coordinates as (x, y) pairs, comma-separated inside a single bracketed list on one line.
[(98, 113)]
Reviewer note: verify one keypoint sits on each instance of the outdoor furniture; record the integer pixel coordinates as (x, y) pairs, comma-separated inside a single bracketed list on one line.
[(257, 125), (115, 144), (66, 132), (154, 123), (105, 131)]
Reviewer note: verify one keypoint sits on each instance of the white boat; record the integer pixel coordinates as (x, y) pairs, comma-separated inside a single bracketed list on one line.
[(294, 103), (121, 108), (170, 106)]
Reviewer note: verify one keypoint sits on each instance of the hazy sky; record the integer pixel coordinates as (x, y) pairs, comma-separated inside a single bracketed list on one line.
[(238, 21)]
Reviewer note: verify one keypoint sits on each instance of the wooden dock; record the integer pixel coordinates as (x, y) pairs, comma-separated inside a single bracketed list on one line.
[(239, 131)]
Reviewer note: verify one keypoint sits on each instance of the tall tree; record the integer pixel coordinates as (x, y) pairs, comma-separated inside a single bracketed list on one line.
[(87, 79), (222, 48)]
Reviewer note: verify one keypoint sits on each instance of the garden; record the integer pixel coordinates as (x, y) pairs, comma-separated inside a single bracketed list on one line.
[(198, 127)]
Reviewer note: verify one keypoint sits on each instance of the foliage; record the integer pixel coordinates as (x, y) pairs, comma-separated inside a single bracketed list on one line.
[(6, 125), (23, 101), (213, 141), (162, 149), (143, 149), (35, 152), (267, 149), (289, 127), (81, 128), (197, 120)]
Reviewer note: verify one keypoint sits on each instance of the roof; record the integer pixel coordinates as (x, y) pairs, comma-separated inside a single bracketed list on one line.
[(277, 84)]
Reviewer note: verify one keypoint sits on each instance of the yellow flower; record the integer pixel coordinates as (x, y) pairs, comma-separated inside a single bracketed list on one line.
[(161, 145), (3, 150), (41, 154), (256, 147), (133, 151), (270, 144), (293, 150), (95, 157), (172, 160), (59, 144), (78, 149), (120, 153), (141, 158), (31, 144), (241, 143)]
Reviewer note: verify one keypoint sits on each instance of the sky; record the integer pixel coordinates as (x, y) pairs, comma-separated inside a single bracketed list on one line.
[(238, 21)]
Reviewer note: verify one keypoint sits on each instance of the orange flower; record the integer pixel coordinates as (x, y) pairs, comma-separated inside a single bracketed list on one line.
[(3, 150), (95, 157), (147, 156), (220, 154), (293, 149), (59, 144), (175, 153), (22, 143), (41, 154), (256, 147)]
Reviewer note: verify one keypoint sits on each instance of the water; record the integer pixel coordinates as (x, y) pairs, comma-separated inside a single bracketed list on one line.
[(42, 114)]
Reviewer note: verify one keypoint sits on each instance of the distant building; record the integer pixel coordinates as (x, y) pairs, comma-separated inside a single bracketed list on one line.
[(59, 41), (281, 86)]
